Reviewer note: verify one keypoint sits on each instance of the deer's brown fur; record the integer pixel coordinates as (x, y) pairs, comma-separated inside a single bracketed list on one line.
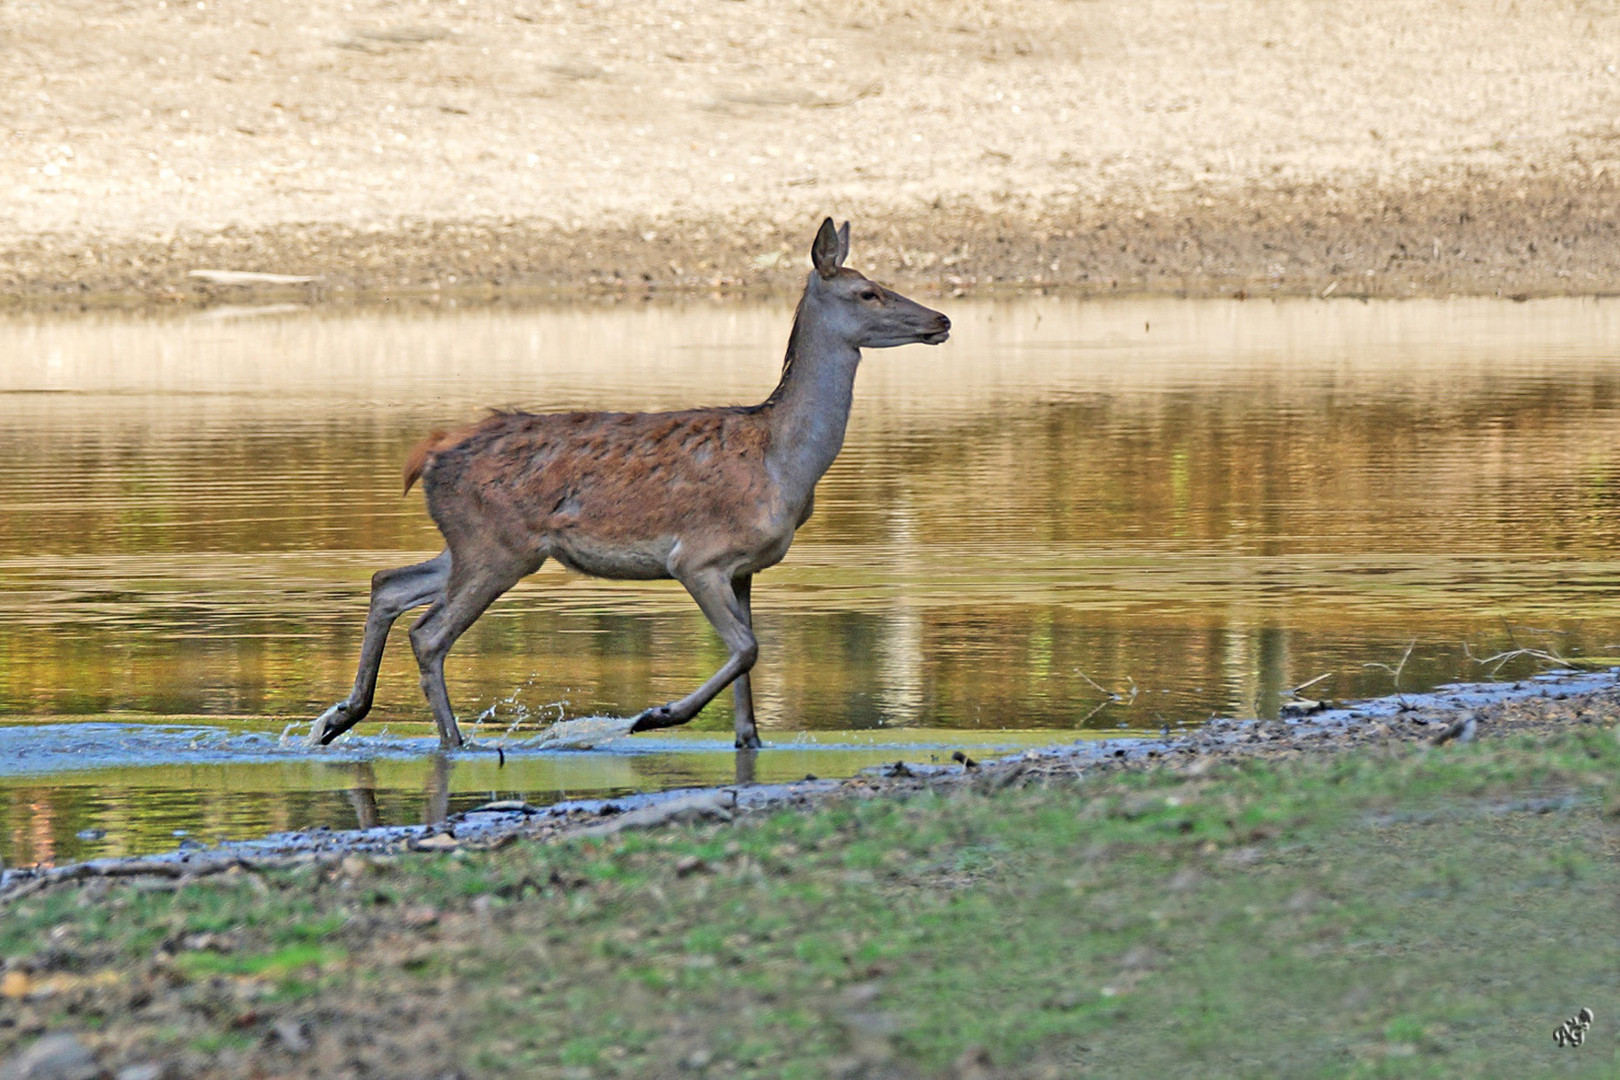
[(579, 483), (706, 496)]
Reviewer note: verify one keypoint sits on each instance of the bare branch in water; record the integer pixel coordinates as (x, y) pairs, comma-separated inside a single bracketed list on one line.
[(1497, 661), (1395, 672), (1307, 685), (1100, 688), (1502, 658)]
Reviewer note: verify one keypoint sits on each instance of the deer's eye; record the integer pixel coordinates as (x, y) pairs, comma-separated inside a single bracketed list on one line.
[(868, 294)]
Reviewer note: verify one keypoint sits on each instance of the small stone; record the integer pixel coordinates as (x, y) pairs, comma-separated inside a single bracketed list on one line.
[(973, 1063), (437, 842), (420, 917), (147, 1070), (505, 806), (53, 1057), (290, 1033)]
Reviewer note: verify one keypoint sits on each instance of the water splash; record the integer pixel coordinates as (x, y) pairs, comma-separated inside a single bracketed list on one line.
[(522, 715), (581, 733)]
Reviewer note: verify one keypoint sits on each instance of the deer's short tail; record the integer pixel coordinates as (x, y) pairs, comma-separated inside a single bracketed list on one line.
[(421, 455)]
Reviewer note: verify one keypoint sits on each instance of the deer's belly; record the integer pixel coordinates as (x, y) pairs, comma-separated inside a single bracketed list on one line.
[(641, 562), (773, 552)]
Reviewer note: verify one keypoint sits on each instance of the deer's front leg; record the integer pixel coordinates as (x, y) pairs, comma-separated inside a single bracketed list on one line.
[(393, 592), (717, 596)]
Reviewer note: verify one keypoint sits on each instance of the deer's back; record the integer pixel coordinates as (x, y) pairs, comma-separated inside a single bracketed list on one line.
[(611, 494)]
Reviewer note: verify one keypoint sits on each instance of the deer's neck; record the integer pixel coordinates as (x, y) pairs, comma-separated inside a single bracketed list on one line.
[(809, 409)]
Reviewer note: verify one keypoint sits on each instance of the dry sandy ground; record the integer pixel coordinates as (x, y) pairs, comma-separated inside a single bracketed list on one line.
[(522, 146)]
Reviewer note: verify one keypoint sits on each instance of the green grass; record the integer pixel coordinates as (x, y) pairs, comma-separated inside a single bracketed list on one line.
[(282, 961), (1435, 912)]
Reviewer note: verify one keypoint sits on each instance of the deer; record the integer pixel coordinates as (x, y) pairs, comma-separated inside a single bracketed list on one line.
[(708, 496)]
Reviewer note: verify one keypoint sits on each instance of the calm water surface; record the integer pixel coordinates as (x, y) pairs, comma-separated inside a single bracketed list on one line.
[(1075, 518)]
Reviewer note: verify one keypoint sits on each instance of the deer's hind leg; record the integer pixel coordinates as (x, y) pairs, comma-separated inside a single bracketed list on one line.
[(393, 592), (474, 583), (743, 689)]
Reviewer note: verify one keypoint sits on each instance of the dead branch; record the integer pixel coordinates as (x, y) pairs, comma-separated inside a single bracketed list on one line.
[(1307, 685), (1395, 672), (248, 277)]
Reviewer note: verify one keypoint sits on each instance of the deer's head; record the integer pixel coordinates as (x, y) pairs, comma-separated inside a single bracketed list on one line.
[(859, 310)]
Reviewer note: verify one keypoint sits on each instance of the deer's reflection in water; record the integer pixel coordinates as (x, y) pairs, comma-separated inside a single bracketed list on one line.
[(747, 756), (435, 794), (363, 796), (435, 790)]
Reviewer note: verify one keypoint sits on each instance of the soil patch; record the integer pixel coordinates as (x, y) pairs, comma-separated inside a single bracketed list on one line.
[(511, 149)]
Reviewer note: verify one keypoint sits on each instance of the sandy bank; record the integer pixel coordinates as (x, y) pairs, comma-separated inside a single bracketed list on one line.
[(510, 147)]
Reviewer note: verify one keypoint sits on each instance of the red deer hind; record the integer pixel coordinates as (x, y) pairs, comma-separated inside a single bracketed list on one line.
[(708, 497)]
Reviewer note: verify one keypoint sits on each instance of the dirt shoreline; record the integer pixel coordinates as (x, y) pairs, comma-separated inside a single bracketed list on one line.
[(1471, 239), (505, 149), (1535, 706)]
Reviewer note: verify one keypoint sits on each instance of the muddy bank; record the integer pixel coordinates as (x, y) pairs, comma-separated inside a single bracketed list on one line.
[(1469, 239), (1535, 706)]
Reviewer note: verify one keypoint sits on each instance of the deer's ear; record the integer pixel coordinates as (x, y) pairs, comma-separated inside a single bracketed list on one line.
[(843, 243), (826, 253)]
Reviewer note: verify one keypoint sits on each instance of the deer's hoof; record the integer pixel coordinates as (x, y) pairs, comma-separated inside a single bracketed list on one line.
[(749, 741), (653, 719), (329, 725)]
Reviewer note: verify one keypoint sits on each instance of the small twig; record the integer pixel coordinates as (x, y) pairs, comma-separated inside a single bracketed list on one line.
[(1307, 685), (1497, 661), (1099, 707), (1101, 689), (1501, 658), (249, 277), (1395, 672)]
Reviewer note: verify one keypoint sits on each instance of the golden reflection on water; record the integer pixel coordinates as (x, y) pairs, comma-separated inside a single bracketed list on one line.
[(1072, 515)]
